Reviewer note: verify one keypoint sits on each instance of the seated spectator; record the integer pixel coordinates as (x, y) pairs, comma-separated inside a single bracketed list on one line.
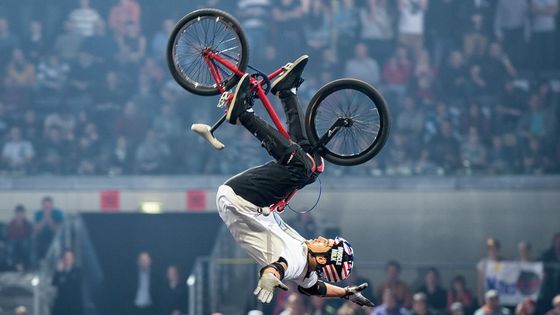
[(19, 80), (390, 305), (254, 17), (509, 108), (477, 22), (527, 307), (158, 45), (555, 306), (131, 124), (102, 46), (498, 159), (492, 305), (436, 296), (173, 295), (473, 152), (52, 75), (30, 126), (399, 291), (17, 153), (420, 305), (132, 45), (453, 77), (47, 220), (18, 236), (67, 45), (68, 282), (474, 117), (362, 66), (36, 43), (120, 157), (458, 293), (424, 165), (122, 14), (410, 120), (497, 67), (538, 121), (83, 81), (151, 154), (445, 148), (55, 147), (84, 19), (63, 120), (492, 255)]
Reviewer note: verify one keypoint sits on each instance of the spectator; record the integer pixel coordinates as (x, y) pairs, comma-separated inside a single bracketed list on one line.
[(442, 27), (524, 252), (131, 124), (537, 122), (434, 295), (20, 310), (318, 23), (30, 126), (294, 305), (445, 148), (457, 309), (288, 18), (527, 307), (52, 75), (84, 19), (132, 45), (158, 45), (377, 30), (492, 255), (318, 306), (172, 296), (68, 282), (18, 236), (83, 81), (419, 305), (17, 153), (492, 305), (19, 80), (62, 120), (453, 77), (555, 306), (143, 301), (47, 220), (475, 117), (497, 67), (122, 14), (151, 154), (347, 24), (8, 41), (458, 293), (543, 26), (477, 22), (36, 43), (67, 45), (511, 26), (390, 305), (254, 15), (120, 159), (473, 152), (398, 291), (362, 66), (411, 24), (410, 120), (100, 45), (551, 283)]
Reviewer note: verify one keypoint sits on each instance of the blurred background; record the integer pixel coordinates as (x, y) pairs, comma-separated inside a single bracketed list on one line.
[(107, 203)]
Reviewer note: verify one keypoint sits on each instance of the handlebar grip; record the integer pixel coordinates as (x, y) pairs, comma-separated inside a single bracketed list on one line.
[(205, 132)]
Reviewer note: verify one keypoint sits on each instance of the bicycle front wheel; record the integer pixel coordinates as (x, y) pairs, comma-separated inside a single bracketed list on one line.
[(348, 120), (201, 31)]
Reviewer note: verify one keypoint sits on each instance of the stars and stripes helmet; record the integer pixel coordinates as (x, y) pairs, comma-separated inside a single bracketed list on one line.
[(340, 260)]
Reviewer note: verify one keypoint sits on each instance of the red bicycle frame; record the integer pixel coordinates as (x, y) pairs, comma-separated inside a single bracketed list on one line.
[(211, 57)]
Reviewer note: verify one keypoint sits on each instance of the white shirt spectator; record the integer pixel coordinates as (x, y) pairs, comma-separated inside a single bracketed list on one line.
[(411, 19), (17, 153), (378, 26), (84, 21), (543, 22)]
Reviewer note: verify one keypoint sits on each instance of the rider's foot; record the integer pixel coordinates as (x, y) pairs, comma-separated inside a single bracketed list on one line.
[(240, 98), (291, 77)]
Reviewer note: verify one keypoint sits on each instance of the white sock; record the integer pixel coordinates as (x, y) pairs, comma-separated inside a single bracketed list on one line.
[(293, 90)]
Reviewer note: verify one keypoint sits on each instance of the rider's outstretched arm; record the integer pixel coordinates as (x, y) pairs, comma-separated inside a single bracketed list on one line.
[(351, 293)]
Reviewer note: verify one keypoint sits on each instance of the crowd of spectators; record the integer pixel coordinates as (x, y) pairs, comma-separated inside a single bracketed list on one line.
[(473, 85), (394, 296)]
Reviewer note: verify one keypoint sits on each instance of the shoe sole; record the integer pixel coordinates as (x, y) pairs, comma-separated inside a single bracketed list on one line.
[(234, 99), (285, 74)]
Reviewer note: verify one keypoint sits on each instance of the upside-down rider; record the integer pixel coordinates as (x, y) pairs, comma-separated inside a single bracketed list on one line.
[(244, 202)]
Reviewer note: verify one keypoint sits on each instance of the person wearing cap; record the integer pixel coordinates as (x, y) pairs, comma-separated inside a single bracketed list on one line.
[(492, 255), (492, 305), (420, 305), (245, 202), (555, 306)]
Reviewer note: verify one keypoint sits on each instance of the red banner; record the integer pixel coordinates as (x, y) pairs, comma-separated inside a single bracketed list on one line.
[(110, 201), (196, 200)]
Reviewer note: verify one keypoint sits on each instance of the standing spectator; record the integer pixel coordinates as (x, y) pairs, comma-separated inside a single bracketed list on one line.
[(420, 305), (318, 23), (492, 305), (158, 45), (68, 282), (497, 67), (527, 307), (143, 301), (172, 298), (254, 15), (555, 306), (19, 80), (435, 296), (477, 23), (458, 293), (543, 29), (120, 157), (362, 66), (132, 45), (511, 26), (17, 153), (100, 45), (288, 18), (442, 28), (346, 23), (453, 78), (390, 305), (411, 24), (492, 255), (377, 30), (18, 236), (36, 43), (67, 45), (8, 42), (124, 13), (84, 19), (398, 291), (47, 220), (551, 283)]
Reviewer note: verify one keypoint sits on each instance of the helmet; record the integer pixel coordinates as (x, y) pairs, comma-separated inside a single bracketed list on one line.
[(340, 260)]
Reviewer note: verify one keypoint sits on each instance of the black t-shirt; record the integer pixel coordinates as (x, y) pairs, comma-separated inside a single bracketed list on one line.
[(267, 184)]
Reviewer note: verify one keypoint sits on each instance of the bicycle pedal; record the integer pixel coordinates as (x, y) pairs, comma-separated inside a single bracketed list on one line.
[(224, 99)]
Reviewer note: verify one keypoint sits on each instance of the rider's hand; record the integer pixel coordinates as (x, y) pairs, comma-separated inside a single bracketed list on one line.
[(353, 294), (265, 288)]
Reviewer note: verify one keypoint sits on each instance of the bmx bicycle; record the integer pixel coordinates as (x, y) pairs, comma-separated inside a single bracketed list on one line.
[(347, 121)]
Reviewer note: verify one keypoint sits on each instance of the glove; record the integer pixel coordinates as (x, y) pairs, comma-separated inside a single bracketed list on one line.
[(265, 288), (353, 294)]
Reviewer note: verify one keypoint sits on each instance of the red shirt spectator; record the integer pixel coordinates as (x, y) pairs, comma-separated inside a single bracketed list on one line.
[(127, 11), (19, 227), (396, 73)]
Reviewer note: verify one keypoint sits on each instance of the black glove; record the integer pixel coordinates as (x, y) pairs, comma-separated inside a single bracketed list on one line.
[(353, 294)]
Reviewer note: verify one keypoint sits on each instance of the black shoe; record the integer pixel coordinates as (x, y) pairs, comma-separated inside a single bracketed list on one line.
[(291, 78), (239, 102)]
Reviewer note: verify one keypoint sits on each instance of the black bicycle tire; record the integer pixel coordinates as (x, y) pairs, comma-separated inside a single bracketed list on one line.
[(381, 105), (189, 86)]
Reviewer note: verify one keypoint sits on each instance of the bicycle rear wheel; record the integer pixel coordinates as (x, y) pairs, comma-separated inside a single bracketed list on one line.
[(348, 120), (206, 30)]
